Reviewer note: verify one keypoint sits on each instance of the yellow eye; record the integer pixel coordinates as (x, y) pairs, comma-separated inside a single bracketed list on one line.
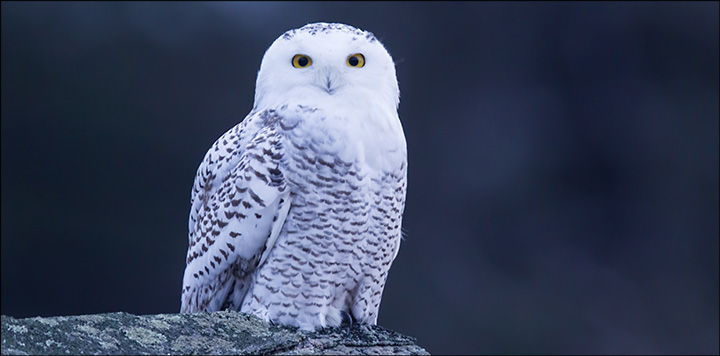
[(356, 60), (301, 61)]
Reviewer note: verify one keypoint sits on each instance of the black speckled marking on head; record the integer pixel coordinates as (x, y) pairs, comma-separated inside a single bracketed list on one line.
[(323, 27)]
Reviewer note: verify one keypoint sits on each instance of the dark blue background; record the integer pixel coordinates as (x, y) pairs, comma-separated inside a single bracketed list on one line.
[(563, 175)]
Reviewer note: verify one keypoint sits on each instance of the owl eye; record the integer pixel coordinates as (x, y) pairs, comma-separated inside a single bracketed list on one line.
[(301, 61), (356, 60)]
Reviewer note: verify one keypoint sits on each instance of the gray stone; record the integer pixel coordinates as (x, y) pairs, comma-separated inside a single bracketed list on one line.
[(224, 332)]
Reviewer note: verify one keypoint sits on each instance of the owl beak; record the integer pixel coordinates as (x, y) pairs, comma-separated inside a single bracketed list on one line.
[(328, 79)]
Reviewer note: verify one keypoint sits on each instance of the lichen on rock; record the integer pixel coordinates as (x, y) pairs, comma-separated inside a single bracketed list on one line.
[(224, 332)]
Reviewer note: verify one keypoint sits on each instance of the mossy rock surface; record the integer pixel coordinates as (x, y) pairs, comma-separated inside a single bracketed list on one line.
[(224, 332)]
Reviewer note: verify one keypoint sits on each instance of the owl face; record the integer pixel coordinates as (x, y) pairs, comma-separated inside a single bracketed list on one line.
[(322, 63)]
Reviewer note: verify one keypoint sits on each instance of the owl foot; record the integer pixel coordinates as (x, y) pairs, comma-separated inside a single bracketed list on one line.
[(347, 321)]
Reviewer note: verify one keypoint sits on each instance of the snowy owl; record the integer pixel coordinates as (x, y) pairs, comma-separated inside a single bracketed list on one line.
[(296, 211)]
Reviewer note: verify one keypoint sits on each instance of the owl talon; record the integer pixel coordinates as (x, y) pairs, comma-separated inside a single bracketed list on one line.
[(347, 319)]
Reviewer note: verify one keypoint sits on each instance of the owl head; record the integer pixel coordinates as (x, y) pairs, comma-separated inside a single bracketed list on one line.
[(326, 63)]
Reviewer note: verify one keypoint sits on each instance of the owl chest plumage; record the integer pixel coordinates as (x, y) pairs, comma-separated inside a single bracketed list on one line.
[(342, 230)]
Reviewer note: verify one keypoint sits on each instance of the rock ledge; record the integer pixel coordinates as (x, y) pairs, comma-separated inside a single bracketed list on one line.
[(224, 332)]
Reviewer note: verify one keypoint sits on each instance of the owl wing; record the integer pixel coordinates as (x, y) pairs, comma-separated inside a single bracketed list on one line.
[(239, 204)]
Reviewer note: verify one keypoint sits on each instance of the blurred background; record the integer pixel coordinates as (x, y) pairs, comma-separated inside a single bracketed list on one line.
[(563, 162)]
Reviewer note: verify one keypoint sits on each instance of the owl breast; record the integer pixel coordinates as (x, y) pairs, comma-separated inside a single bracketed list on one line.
[(342, 231)]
